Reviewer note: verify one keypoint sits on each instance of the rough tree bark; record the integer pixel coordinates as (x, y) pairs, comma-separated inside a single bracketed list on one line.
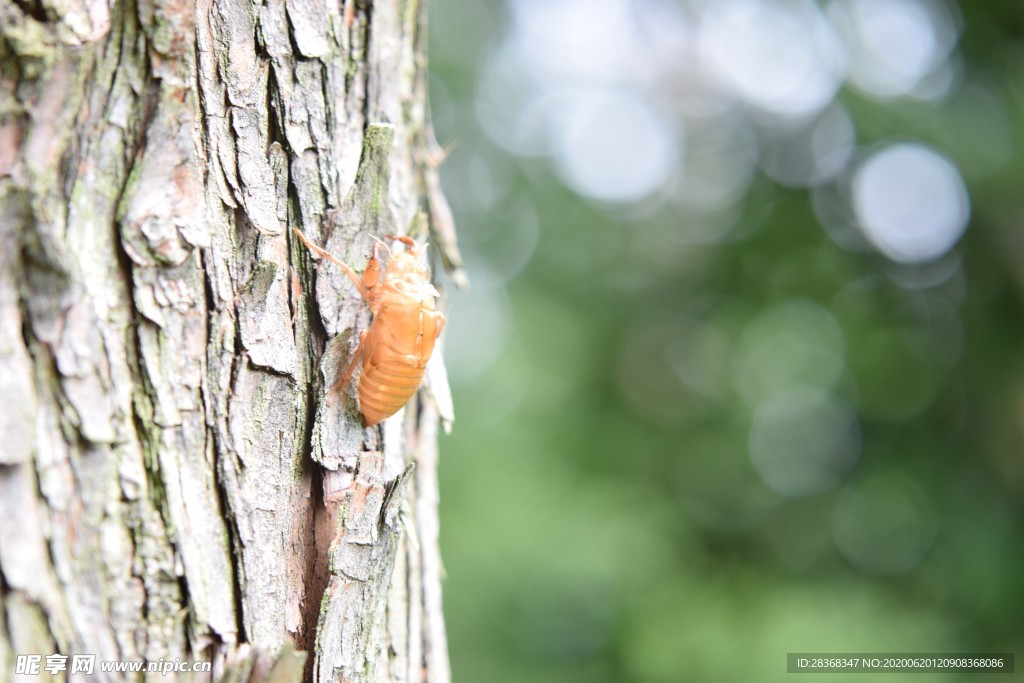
[(175, 481)]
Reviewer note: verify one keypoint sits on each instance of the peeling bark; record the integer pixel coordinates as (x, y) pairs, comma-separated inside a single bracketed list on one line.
[(175, 478)]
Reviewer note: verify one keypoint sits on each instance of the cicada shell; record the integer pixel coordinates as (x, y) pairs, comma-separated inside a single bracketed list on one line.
[(395, 350)]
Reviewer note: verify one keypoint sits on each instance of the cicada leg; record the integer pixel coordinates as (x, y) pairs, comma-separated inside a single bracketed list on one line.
[(407, 241), (346, 376), (364, 290), (371, 276)]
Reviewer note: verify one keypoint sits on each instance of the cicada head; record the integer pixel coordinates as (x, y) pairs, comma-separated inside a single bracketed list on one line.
[(407, 272)]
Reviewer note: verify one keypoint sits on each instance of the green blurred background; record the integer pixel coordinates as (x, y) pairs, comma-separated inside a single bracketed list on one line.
[(739, 370)]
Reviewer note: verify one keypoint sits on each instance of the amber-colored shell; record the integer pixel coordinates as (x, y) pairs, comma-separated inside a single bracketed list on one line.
[(396, 348)]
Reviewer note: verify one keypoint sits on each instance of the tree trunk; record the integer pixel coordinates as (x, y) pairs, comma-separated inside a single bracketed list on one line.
[(176, 478)]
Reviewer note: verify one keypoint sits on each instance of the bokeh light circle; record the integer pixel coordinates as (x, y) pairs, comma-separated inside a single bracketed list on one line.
[(793, 344), (885, 525), (910, 202), (780, 56), (614, 145), (895, 46), (804, 441)]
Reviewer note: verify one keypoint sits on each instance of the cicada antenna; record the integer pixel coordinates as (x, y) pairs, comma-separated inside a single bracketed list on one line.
[(381, 243)]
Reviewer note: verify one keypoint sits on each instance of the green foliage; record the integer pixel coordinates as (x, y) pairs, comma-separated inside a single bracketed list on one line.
[(605, 516)]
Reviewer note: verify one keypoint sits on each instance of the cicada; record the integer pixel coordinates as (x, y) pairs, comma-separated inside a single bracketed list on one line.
[(405, 326)]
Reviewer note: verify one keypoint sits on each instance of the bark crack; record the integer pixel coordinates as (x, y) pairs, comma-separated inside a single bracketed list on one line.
[(33, 9), (368, 75), (218, 451)]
